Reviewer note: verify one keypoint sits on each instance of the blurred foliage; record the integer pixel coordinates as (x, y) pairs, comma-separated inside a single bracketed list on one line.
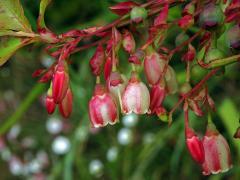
[(156, 150)]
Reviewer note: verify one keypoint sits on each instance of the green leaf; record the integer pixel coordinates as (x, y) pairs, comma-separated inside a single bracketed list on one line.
[(9, 45), (12, 17), (229, 113), (43, 6)]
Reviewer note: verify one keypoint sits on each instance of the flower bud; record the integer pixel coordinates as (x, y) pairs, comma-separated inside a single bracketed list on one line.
[(65, 106), (60, 83), (194, 145), (97, 61), (49, 102), (138, 14), (217, 152), (128, 42), (186, 21), (107, 68), (135, 97), (171, 81), (102, 108), (233, 37), (211, 16), (157, 95), (153, 66)]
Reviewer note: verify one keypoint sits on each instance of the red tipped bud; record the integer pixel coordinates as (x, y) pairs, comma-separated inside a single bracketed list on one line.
[(153, 66), (128, 42), (65, 107), (49, 102), (157, 95), (102, 108), (136, 96), (194, 145), (186, 21), (97, 61), (60, 83), (217, 152)]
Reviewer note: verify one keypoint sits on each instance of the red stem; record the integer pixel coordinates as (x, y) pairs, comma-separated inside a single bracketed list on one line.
[(193, 90)]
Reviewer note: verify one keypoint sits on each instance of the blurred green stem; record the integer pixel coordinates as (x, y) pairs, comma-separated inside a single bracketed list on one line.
[(31, 97)]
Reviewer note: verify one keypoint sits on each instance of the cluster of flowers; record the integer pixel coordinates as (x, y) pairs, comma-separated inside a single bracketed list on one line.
[(133, 96)]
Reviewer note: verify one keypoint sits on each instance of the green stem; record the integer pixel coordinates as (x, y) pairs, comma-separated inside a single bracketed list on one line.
[(32, 96)]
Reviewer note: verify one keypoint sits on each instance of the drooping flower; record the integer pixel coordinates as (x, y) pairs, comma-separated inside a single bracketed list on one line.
[(65, 107), (116, 84), (136, 97), (153, 66), (194, 145), (217, 152), (102, 108), (60, 83), (157, 95)]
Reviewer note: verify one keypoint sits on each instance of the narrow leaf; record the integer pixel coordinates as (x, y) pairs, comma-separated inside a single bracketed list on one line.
[(43, 6)]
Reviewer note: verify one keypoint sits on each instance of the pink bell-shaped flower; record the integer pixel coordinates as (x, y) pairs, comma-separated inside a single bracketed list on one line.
[(157, 95), (60, 82), (102, 108), (65, 107), (136, 97), (194, 145), (153, 66), (217, 152), (116, 84)]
